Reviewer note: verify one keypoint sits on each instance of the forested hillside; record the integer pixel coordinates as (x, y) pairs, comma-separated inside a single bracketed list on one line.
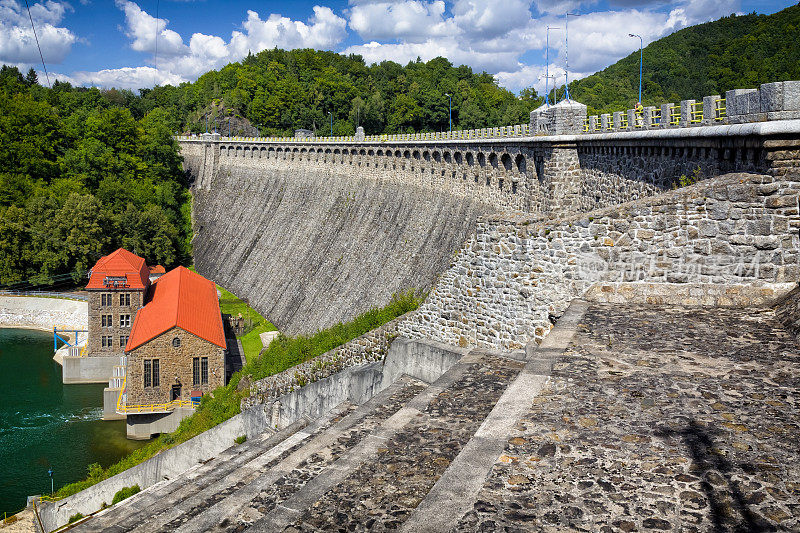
[(735, 52), (279, 91), (82, 172)]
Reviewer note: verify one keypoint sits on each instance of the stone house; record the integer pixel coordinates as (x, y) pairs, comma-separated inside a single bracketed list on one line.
[(176, 348), (117, 286)]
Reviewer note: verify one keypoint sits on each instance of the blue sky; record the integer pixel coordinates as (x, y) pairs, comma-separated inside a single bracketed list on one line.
[(113, 42)]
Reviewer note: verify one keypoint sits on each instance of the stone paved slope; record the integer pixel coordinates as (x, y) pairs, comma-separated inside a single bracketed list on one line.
[(657, 419), (383, 491), (239, 469)]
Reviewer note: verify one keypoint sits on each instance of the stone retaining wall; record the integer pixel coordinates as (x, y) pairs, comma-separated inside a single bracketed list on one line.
[(518, 273), (788, 311), (370, 347)]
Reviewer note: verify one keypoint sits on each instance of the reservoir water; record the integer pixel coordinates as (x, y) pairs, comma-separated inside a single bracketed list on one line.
[(45, 424)]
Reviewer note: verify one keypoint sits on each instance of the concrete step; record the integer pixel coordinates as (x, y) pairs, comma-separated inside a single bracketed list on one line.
[(379, 482), (248, 503), (127, 515)]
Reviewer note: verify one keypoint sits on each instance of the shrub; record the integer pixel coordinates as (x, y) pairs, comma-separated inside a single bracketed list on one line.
[(125, 493), (241, 439), (74, 518)]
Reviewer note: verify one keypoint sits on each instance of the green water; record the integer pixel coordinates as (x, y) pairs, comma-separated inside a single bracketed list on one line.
[(45, 424)]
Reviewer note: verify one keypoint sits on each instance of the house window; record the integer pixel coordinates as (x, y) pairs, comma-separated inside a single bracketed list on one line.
[(148, 373), (123, 340), (124, 299), (107, 341), (152, 374), (200, 370), (176, 342), (105, 300), (124, 321), (108, 321)]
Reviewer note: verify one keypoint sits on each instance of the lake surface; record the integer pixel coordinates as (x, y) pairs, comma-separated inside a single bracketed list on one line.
[(45, 424)]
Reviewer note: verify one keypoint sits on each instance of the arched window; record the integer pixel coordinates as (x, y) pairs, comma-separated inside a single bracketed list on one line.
[(176, 342)]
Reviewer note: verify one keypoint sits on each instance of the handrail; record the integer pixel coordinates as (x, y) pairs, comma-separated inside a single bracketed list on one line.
[(655, 118), (674, 115), (696, 112), (40, 527), (721, 111), (150, 407)]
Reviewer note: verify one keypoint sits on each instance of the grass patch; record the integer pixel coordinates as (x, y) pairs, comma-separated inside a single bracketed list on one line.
[(124, 493), (74, 518), (241, 439), (285, 352), (224, 402)]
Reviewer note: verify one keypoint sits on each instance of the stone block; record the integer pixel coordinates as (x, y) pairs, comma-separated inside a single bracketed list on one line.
[(618, 120), (666, 110), (686, 113), (780, 100), (710, 109)]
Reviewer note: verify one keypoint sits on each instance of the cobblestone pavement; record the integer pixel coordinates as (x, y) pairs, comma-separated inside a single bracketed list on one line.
[(657, 419), (382, 492), (311, 467)]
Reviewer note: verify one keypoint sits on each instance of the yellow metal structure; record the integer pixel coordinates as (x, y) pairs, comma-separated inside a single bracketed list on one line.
[(721, 111), (124, 408), (674, 115), (696, 113)]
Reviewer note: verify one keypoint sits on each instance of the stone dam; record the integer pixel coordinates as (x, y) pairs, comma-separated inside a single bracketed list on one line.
[(609, 342)]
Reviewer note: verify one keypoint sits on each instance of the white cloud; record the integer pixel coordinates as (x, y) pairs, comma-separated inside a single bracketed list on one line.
[(17, 41), (324, 30), (142, 29), (410, 20), (178, 62), (121, 78), (499, 36)]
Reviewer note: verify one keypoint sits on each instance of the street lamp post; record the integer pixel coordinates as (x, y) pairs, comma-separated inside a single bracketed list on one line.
[(640, 63), (450, 110), (50, 473), (566, 51), (547, 64)]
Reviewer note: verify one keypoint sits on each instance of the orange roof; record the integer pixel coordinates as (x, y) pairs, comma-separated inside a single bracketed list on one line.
[(179, 298), (157, 269), (120, 269)]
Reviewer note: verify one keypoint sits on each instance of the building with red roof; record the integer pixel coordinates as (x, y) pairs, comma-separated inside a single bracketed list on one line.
[(117, 287), (158, 335), (177, 343)]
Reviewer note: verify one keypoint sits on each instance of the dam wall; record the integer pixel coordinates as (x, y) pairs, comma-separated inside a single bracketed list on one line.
[(316, 232), (310, 244)]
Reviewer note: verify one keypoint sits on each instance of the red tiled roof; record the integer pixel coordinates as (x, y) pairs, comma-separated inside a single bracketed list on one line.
[(157, 269), (179, 298), (120, 264)]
